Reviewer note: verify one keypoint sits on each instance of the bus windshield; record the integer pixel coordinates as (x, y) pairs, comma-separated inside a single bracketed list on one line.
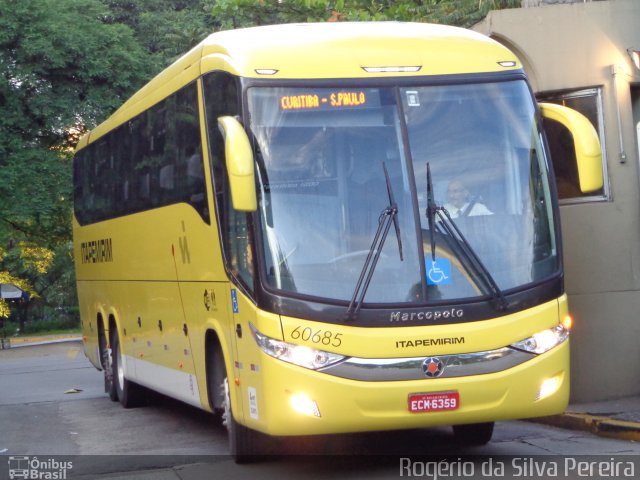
[(321, 155)]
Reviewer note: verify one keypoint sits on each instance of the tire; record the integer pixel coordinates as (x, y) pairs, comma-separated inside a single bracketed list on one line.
[(474, 434), (244, 443), (129, 393), (216, 373), (106, 358)]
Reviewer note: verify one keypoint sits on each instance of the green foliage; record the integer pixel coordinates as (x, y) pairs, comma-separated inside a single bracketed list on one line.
[(54, 321), (62, 69), (229, 14), (67, 64), (61, 64), (244, 13), (165, 29)]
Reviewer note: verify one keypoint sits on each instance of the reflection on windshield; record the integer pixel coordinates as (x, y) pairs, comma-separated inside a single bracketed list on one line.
[(489, 174), (323, 188), (320, 155)]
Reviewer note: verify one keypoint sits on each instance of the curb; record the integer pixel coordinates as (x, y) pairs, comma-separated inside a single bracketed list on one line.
[(17, 342), (602, 426)]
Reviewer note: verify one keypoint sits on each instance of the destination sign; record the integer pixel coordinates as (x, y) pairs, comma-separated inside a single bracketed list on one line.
[(325, 100)]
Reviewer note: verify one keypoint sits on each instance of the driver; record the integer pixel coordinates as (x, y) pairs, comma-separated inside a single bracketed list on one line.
[(461, 204)]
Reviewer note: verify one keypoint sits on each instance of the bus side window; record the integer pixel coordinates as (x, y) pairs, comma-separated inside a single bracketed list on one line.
[(148, 162), (221, 99), (187, 153)]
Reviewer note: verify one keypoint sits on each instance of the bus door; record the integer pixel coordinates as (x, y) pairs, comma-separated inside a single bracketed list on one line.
[(246, 377)]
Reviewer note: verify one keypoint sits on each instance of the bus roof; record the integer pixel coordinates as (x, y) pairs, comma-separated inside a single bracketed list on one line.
[(343, 49), (323, 51)]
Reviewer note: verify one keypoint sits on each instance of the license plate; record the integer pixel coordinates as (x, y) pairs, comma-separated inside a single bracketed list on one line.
[(434, 402)]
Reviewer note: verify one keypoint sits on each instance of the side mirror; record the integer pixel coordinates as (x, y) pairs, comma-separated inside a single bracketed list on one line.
[(585, 142), (239, 160)]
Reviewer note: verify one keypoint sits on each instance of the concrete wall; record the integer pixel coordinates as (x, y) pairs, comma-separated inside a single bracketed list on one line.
[(571, 46)]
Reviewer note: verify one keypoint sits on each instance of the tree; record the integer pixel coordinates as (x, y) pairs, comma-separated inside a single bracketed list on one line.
[(243, 13), (66, 64), (229, 14), (164, 28), (63, 67)]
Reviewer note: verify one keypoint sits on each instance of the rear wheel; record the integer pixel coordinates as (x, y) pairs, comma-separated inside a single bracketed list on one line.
[(129, 393), (474, 434), (106, 359)]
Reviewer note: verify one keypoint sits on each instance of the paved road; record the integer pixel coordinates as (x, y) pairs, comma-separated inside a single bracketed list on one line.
[(52, 403)]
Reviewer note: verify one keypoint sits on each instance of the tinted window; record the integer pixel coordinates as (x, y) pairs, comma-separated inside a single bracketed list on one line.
[(151, 161)]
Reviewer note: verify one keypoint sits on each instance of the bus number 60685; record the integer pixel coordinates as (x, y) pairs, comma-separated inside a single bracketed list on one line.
[(324, 337)]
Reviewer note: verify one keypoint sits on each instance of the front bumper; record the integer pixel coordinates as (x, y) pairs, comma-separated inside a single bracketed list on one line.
[(348, 405)]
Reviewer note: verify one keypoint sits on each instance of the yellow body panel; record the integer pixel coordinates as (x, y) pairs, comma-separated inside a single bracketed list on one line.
[(342, 50), (145, 275)]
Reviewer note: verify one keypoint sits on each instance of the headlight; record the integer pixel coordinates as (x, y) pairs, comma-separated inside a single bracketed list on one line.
[(543, 341), (300, 355)]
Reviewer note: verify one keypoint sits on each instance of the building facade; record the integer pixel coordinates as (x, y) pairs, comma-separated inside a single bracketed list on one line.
[(581, 54)]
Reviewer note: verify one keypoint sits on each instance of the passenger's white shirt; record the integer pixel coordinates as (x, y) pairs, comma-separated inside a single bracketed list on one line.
[(476, 209)]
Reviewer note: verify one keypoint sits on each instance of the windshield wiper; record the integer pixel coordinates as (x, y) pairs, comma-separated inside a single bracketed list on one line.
[(387, 216), (466, 254), (393, 205), (431, 213)]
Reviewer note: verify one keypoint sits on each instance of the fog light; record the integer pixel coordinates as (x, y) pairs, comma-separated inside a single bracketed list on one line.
[(549, 387), (304, 405)]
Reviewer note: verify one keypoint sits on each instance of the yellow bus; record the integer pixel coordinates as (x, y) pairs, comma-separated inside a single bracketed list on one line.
[(327, 228)]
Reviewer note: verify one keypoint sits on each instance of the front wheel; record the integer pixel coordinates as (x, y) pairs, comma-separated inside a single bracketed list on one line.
[(244, 444), (474, 434)]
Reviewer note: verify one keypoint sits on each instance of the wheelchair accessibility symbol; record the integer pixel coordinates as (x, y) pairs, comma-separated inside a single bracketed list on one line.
[(438, 271)]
